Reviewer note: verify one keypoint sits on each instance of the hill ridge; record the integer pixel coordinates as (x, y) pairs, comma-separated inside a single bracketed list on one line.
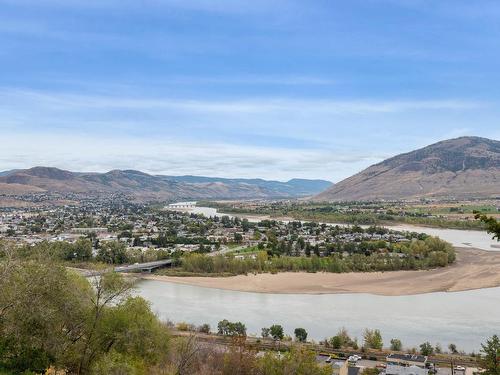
[(145, 186), (464, 167)]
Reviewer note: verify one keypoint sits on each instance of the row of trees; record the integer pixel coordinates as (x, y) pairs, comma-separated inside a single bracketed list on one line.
[(372, 339), (426, 254), (110, 252)]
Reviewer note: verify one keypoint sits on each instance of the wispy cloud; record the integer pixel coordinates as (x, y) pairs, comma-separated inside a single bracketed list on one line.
[(65, 101)]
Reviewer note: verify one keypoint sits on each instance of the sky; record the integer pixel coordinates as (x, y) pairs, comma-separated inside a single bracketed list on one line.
[(275, 89)]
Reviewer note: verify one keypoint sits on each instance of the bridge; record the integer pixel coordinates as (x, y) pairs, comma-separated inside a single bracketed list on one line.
[(144, 267)]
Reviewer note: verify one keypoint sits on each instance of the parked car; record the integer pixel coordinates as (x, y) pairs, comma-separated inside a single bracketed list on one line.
[(354, 358)]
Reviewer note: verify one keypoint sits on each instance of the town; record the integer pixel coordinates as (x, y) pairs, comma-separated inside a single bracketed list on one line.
[(148, 232)]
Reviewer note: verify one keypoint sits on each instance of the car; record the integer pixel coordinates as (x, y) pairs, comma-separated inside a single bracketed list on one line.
[(381, 365), (354, 358), (459, 368)]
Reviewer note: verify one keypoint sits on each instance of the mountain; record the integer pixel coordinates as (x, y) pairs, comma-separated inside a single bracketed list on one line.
[(466, 167), (293, 187), (5, 173), (148, 187)]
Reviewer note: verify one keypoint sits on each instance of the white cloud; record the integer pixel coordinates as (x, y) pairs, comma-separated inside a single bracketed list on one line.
[(87, 153)]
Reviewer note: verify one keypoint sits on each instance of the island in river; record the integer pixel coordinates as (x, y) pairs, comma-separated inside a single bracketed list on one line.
[(473, 269)]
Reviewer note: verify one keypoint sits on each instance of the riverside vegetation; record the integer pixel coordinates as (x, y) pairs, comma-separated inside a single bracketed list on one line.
[(363, 257)]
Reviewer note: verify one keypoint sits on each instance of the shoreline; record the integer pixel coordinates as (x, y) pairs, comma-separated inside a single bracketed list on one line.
[(473, 269)]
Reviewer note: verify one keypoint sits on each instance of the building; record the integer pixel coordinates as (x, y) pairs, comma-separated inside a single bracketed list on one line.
[(406, 364), (344, 368)]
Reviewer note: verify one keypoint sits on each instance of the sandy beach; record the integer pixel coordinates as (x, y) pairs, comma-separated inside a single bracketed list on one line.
[(474, 269)]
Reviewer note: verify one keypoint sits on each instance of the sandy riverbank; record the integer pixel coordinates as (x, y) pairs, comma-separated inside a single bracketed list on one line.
[(474, 269)]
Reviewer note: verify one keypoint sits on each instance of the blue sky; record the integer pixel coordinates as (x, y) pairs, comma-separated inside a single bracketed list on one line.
[(273, 89)]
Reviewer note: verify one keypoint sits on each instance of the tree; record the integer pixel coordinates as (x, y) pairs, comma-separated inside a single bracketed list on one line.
[(426, 349), (300, 334), (336, 342), (238, 329), (227, 328), (490, 356), (113, 252), (265, 332), (276, 332), (204, 328), (453, 348), (51, 317), (396, 345), (223, 327), (83, 249), (342, 339), (492, 224), (238, 238), (373, 339)]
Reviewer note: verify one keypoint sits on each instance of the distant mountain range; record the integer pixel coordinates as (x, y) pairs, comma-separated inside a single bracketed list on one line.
[(466, 167), (144, 186)]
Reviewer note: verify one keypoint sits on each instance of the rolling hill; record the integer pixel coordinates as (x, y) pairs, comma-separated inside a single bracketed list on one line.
[(148, 187), (461, 168)]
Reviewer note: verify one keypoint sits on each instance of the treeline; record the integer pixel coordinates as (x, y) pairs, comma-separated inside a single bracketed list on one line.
[(372, 340), (429, 253), (82, 251)]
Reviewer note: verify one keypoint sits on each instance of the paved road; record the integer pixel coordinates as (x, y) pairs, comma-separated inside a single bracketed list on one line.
[(143, 266)]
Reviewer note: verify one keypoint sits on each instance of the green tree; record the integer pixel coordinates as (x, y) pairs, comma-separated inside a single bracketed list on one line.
[(490, 356), (276, 332), (83, 249), (492, 224), (396, 345), (223, 327), (372, 339), (426, 349), (453, 348), (50, 316), (300, 334), (112, 252), (238, 238)]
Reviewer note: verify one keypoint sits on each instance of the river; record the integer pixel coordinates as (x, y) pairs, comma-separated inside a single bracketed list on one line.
[(463, 318)]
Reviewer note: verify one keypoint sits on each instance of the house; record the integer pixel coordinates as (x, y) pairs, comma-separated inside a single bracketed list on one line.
[(406, 364), (342, 367)]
